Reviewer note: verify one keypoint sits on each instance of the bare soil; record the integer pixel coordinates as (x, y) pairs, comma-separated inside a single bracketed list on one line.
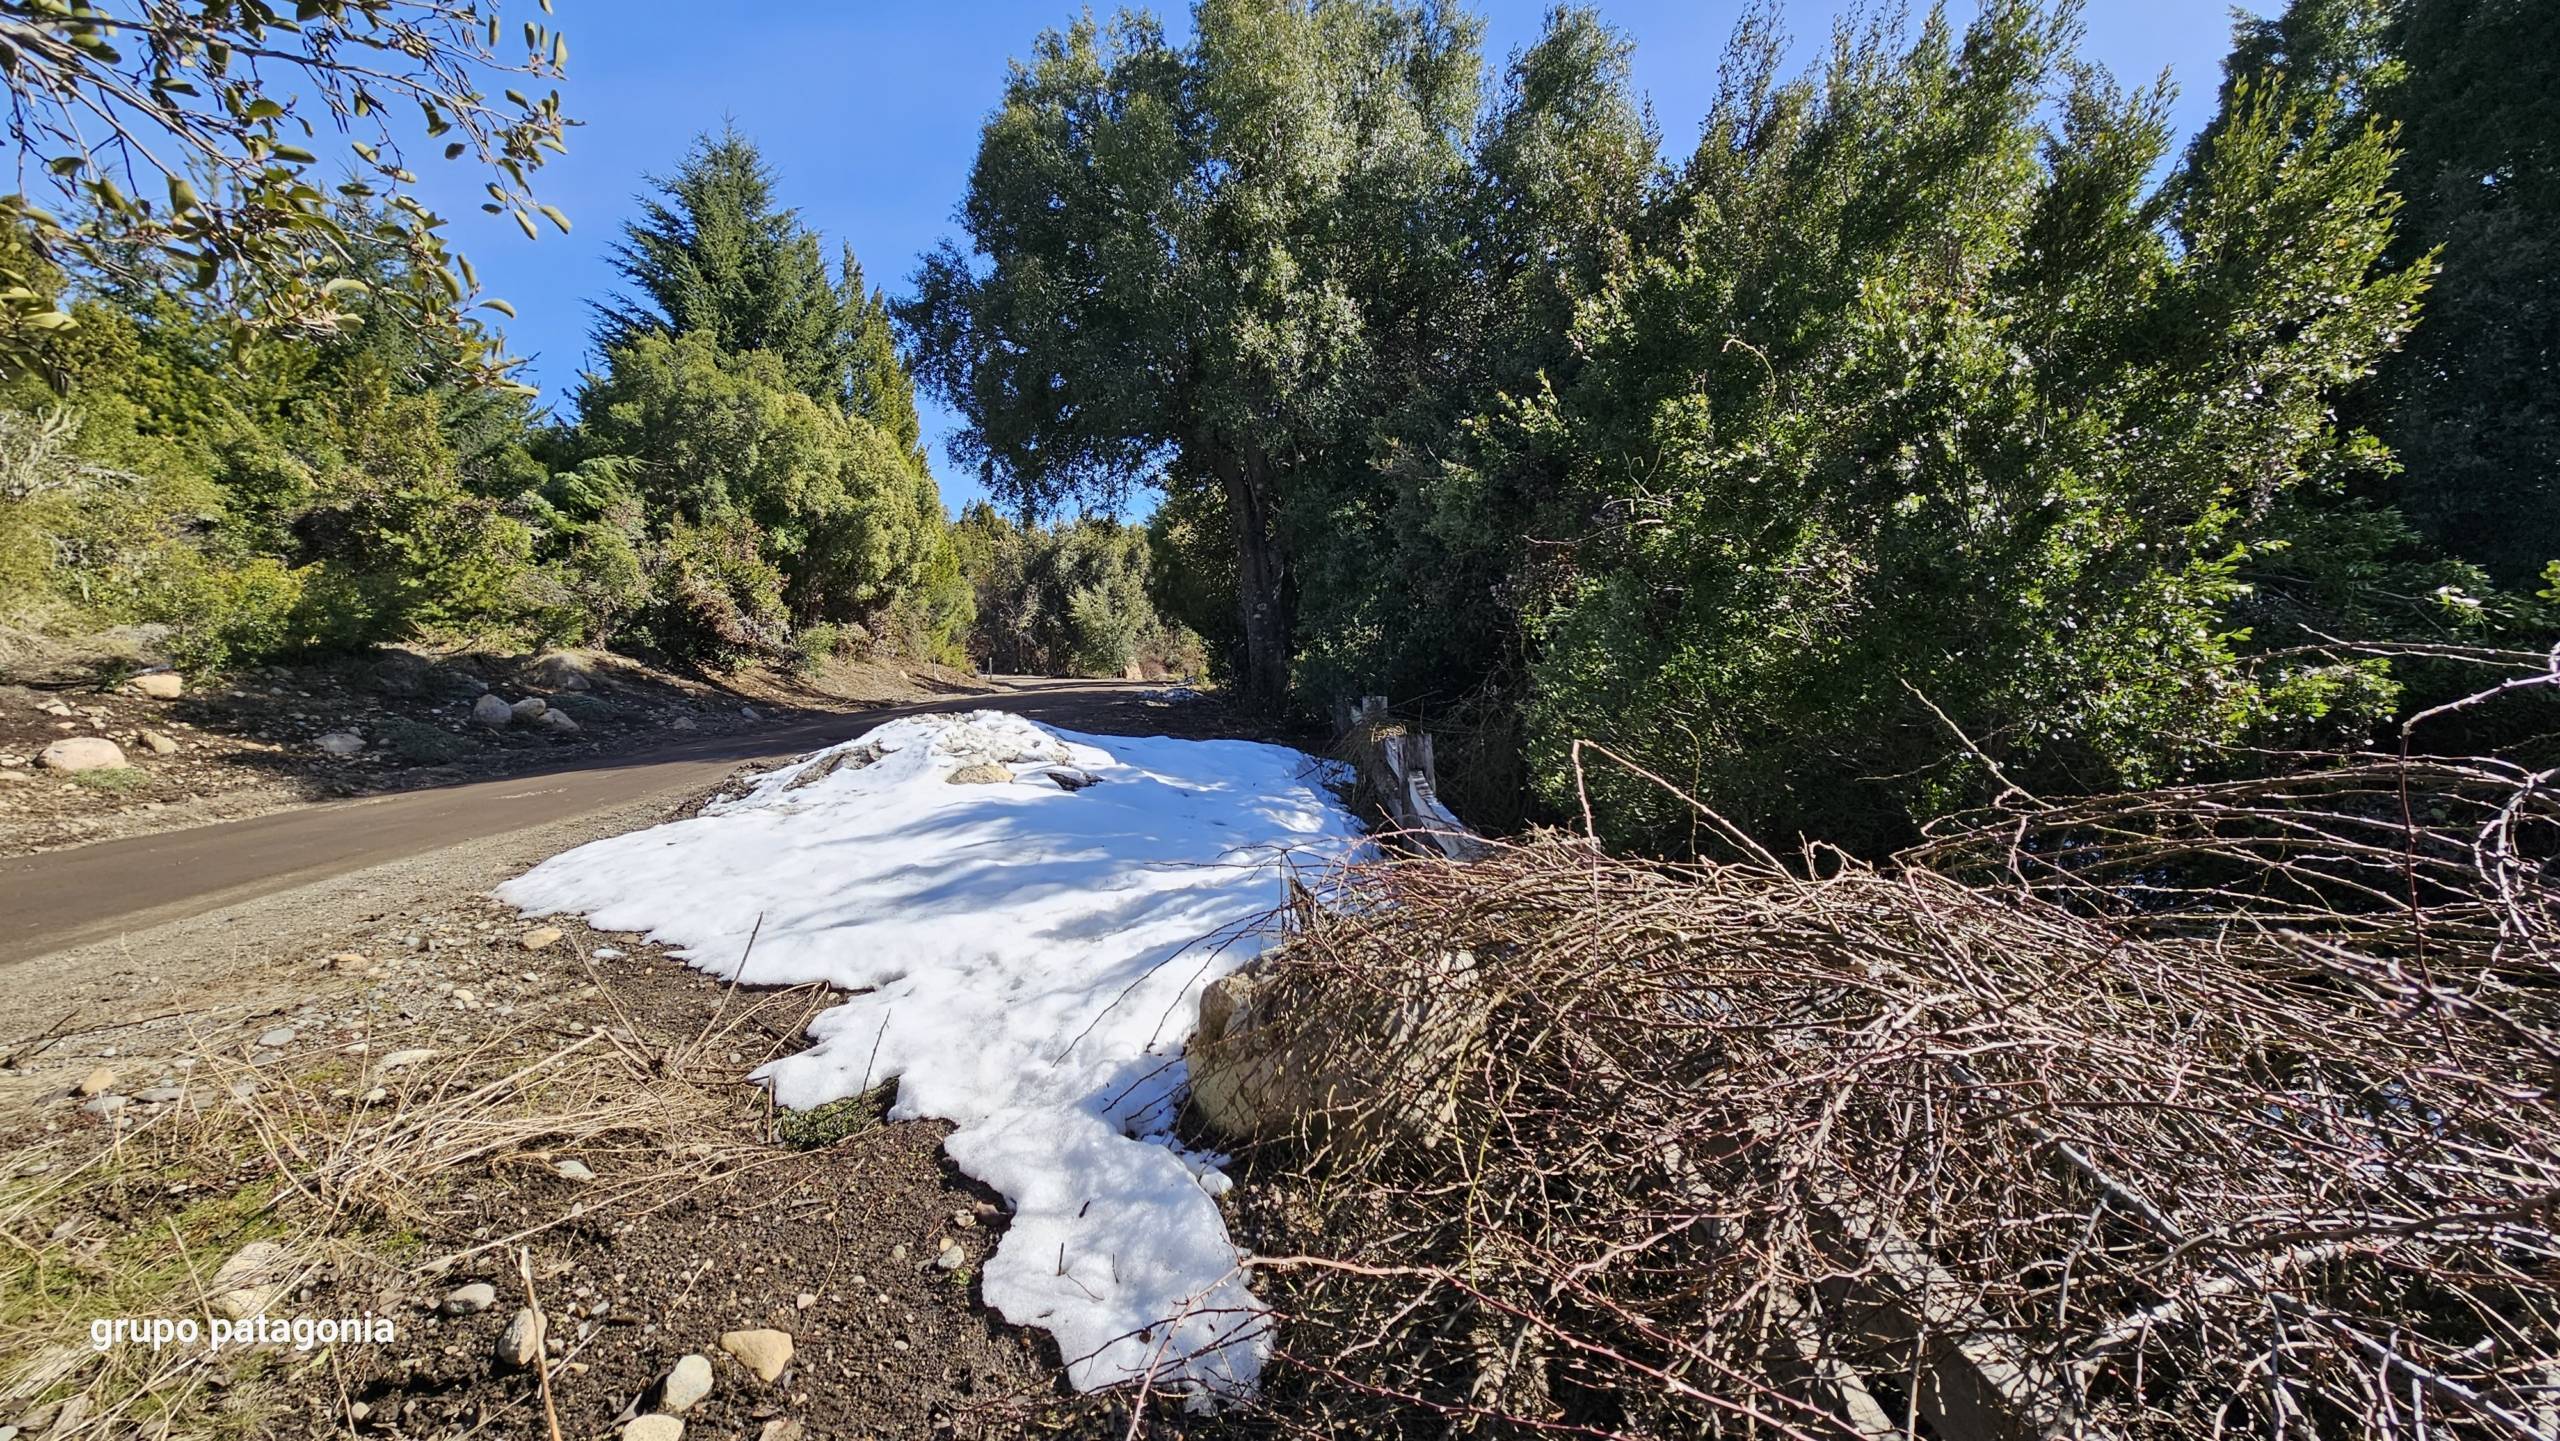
[(245, 744), (706, 1211)]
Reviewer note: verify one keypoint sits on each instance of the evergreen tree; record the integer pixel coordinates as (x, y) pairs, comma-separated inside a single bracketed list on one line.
[(2470, 408), (714, 253)]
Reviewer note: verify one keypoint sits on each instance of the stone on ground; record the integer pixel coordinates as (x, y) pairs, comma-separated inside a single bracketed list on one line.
[(541, 938), (159, 684), (520, 1345), (158, 744), (982, 774), (341, 743), (689, 1382), (653, 1428), (471, 1299), (529, 709), (81, 753), (492, 711), (97, 1082), (764, 1352), (248, 1283), (558, 720)]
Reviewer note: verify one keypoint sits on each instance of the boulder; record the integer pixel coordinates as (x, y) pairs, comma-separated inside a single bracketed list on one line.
[(402, 672), (529, 709), (559, 720), (561, 670), (158, 684), (341, 743), (82, 753), (492, 711), (1262, 1069)]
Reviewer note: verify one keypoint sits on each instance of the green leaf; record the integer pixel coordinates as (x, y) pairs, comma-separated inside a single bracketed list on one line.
[(552, 214), (499, 306)]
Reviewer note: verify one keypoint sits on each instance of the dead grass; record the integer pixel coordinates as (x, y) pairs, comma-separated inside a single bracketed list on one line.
[(352, 1167)]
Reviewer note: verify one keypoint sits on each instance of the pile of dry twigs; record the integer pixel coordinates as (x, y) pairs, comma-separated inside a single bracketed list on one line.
[(2227, 1110)]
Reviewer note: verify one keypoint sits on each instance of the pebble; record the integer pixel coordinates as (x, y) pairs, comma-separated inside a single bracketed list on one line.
[(276, 1039), (104, 1107), (950, 1256), (688, 1383), (541, 937), (158, 744), (608, 953), (470, 1300), (340, 743), (159, 1095), (521, 1342), (98, 1080), (653, 1428), (572, 1170), (410, 1057), (765, 1352), (781, 1428)]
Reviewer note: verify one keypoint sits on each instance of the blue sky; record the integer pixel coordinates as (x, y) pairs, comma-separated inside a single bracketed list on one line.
[(871, 110)]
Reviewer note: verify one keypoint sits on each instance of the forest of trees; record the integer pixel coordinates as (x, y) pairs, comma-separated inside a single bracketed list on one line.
[(1935, 407), (1933, 401)]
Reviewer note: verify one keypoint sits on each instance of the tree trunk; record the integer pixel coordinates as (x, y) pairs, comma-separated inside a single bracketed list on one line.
[(1262, 575)]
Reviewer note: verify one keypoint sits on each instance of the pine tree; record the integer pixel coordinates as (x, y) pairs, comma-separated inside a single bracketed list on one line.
[(715, 253), (876, 385)]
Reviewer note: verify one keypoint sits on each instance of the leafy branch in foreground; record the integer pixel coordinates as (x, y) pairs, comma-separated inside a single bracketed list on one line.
[(217, 105)]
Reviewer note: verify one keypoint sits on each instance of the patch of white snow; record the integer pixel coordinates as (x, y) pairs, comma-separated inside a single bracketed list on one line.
[(1030, 960)]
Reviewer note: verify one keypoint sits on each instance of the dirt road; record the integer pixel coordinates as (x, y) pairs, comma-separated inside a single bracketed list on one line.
[(62, 899)]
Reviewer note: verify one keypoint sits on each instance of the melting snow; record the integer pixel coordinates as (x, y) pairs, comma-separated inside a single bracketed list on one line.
[(1032, 958)]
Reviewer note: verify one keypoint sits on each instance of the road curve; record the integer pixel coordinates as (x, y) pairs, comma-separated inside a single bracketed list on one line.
[(59, 899)]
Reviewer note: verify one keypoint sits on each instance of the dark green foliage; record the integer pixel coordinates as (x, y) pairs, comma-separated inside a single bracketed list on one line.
[(2470, 406), (746, 394), (1066, 599), (1914, 409)]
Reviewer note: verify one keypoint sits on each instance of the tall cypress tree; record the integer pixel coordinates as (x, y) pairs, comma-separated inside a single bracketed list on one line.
[(876, 385), (2471, 406), (713, 252)]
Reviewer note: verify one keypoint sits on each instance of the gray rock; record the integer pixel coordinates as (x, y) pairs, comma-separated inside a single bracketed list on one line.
[(521, 1343), (409, 1057), (1068, 778), (341, 743), (529, 709), (560, 670), (276, 1038), (572, 1170), (471, 1299), (159, 1095), (106, 1107), (688, 1383), (489, 710), (950, 1257), (81, 753), (559, 720)]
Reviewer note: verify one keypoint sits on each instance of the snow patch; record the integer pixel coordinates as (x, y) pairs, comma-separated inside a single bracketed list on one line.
[(1030, 959)]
